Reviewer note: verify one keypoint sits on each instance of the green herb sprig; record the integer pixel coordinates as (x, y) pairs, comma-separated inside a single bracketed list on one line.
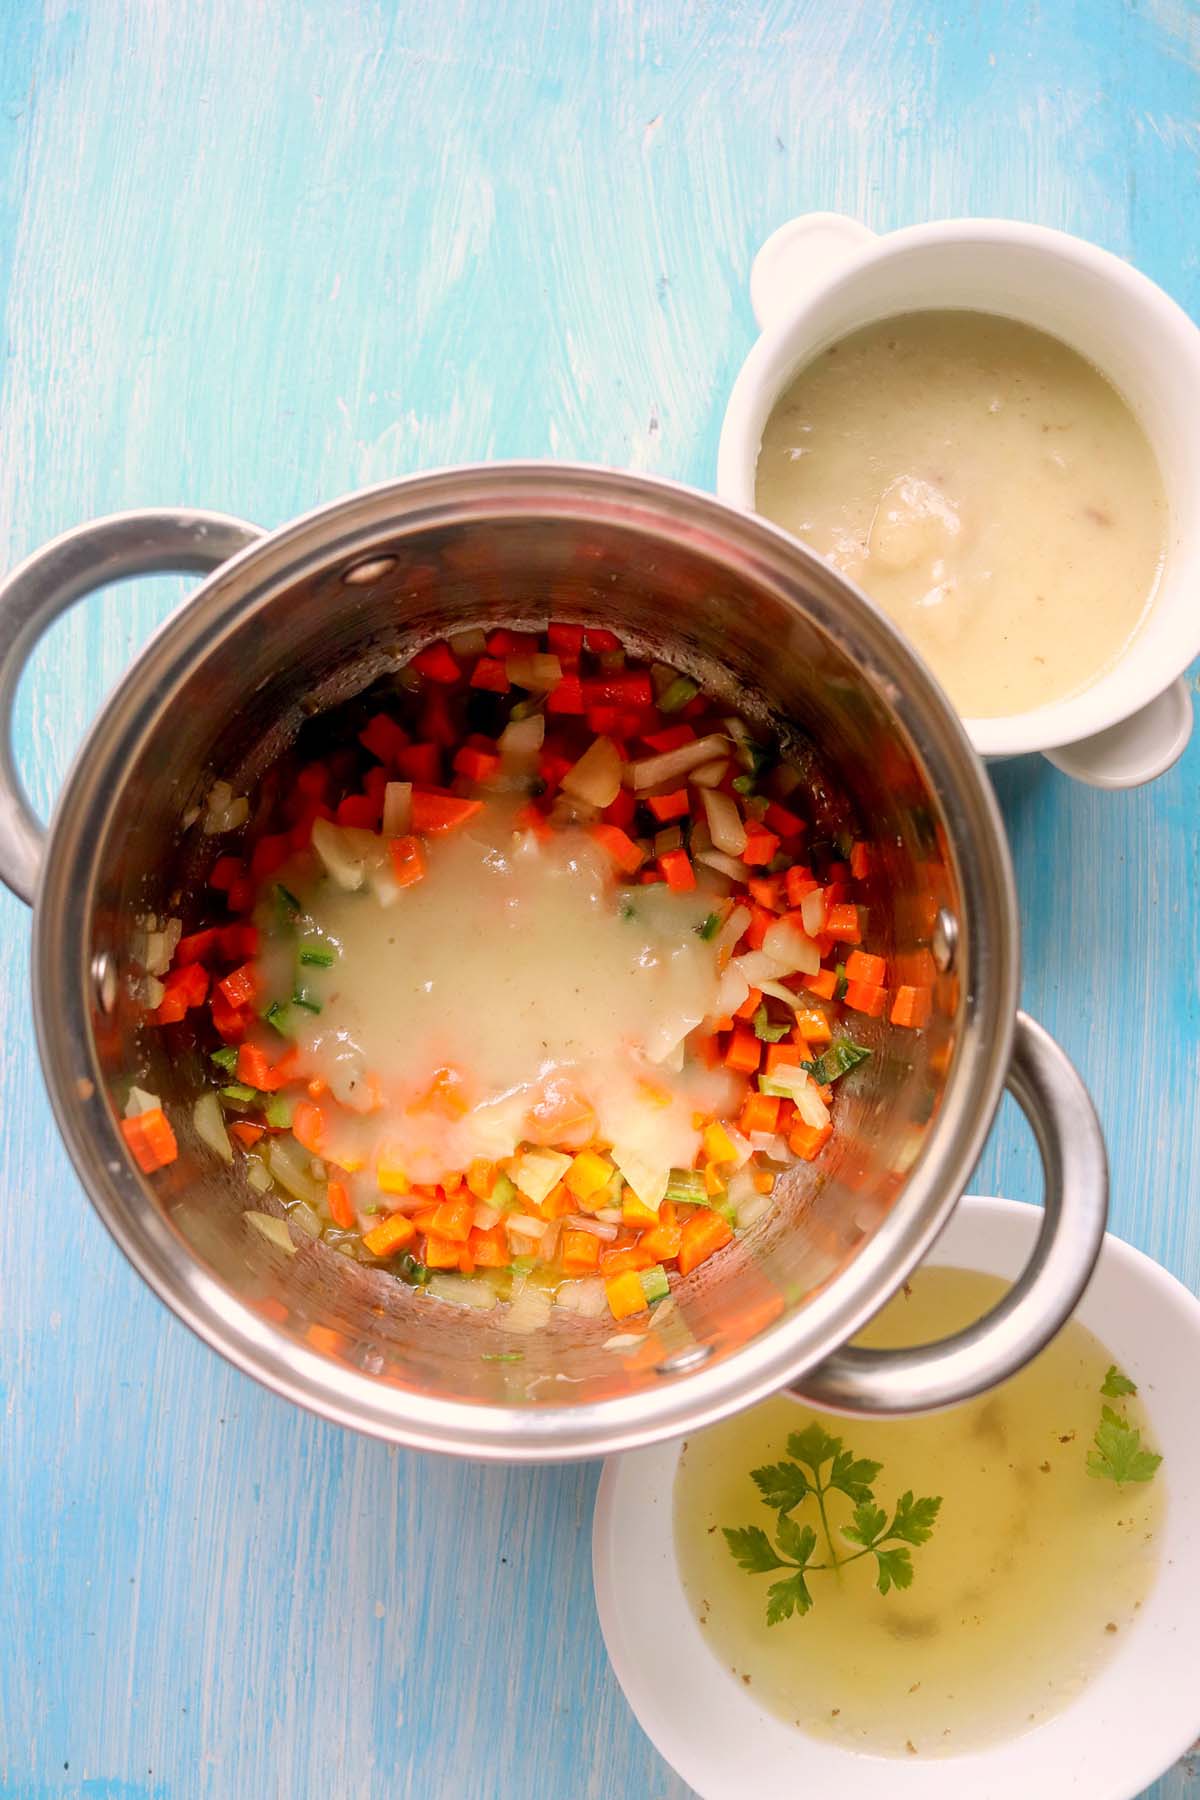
[(786, 1486), (1116, 1453)]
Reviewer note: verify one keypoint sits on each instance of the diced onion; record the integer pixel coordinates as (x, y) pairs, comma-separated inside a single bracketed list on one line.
[(585, 1297), (711, 775), (537, 673), (460, 1290), (647, 1178), (732, 930), (289, 1167), (812, 912), (486, 1215), (791, 948), (777, 991), (529, 1311), (653, 769), (224, 812), (397, 808), (274, 1230), (724, 822), (596, 777), (587, 1222), (210, 1126), (305, 1218), (140, 1101), (347, 852), (809, 1104), (732, 989), (758, 967), (728, 865), (257, 1176), (751, 1209), (524, 1226), (469, 643), (520, 742)]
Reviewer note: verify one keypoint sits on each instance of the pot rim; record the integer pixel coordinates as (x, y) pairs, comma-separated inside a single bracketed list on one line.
[(343, 531)]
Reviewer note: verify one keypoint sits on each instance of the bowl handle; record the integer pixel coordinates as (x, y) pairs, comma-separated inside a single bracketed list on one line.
[(1135, 750), (1049, 1091), (93, 556), (801, 257)]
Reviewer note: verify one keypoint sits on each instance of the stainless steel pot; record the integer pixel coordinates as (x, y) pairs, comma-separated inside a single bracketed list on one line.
[(296, 620)]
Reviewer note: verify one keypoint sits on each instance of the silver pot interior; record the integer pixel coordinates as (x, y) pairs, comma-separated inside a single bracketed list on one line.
[(299, 653)]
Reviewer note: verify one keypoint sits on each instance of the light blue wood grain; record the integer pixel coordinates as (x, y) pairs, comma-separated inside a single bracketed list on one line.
[(254, 253)]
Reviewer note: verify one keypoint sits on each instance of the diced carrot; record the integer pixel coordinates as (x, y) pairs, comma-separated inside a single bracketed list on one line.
[(743, 1051), (782, 820), (761, 922), (238, 986), (599, 641), (750, 1004), (437, 663), (255, 1068), (308, 1123), (246, 1134), (622, 810), (567, 696), (865, 997), (676, 866), (454, 1219), (674, 737), (408, 859), (189, 982), (843, 925), (620, 846), (424, 1219), (490, 1248), (197, 946), (325, 1339), (780, 1054), (270, 853), (564, 639), (241, 895), (442, 1253), (911, 1006), (481, 1177), (823, 984), (240, 940), (806, 1141), (231, 1022), (860, 966), (630, 1256), (588, 1175), (669, 806), (383, 738), (768, 891), (552, 766), (800, 881), (358, 811), (420, 762), (476, 765), (714, 1181), (441, 812), (225, 871), (860, 861), (340, 1209), (625, 1295), (557, 1204), (761, 844), (490, 674), (392, 1234), (580, 1251), (150, 1139), (624, 687), (760, 1111), (705, 1233), (764, 1181), (661, 1242), (170, 1009)]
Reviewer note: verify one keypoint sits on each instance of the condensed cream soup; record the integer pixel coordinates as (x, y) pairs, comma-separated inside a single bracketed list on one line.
[(513, 995), (987, 487)]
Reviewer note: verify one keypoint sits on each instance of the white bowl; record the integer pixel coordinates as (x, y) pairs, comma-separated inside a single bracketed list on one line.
[(823, 275), (1139, 1713)]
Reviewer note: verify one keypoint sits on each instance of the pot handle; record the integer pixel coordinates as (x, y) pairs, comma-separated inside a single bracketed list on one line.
[(1047, 1087), (154, 542)]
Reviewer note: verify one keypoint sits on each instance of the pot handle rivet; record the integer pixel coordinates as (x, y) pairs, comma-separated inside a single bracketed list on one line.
[(944, 943), (165, 541)]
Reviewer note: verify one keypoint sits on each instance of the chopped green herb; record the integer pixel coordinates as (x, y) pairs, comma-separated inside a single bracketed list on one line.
[(302, 997), (320, 956), (277, 1015), (785, 1486), (841, 984), (278, 1113), (841, 1056), (743, 784), (1115, 1384), (681, 690), (225, 1058), (409, 1270), (709, 927), (502, 1356), (239, 1094), (763, 1028), (1117, 1453), (628, 910)]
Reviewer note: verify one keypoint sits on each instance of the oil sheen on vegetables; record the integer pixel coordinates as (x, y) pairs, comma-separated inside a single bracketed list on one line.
[(987, 487), (1034, 1571)]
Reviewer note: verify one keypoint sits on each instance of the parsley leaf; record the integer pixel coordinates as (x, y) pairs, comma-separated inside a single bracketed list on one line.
[(787, 1597), (796, 1541), (895, 1569), (813, 1446), (751, 1550), (869, 1521), (914, 1519), (1115, 1384), (853, 1477), (782, 1485), (1118, 1455)]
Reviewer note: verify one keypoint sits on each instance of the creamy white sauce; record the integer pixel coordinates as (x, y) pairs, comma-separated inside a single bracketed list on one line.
[(987, 487), (520, 966)]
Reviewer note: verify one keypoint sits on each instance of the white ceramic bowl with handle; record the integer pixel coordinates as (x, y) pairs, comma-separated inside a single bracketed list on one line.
[(1129, 1723), (822, 276)]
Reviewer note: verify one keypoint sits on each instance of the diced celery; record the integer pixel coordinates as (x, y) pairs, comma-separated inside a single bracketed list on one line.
[(320, 956), (239, 1094), (686, 1187), (279, 1113), (277, 1016), (225, 1058), (681, 690), (764, 1030), (654, 1282)]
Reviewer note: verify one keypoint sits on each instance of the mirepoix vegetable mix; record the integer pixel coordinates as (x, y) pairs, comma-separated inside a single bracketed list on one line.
[(540, 980)]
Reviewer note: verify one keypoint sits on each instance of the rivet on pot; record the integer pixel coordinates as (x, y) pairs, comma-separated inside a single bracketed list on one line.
[(684, 1360), (945, 940), (104, 975), (372, 568)]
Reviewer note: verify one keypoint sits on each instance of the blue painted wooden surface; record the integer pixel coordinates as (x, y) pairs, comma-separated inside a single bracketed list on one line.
[(254, 253)]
